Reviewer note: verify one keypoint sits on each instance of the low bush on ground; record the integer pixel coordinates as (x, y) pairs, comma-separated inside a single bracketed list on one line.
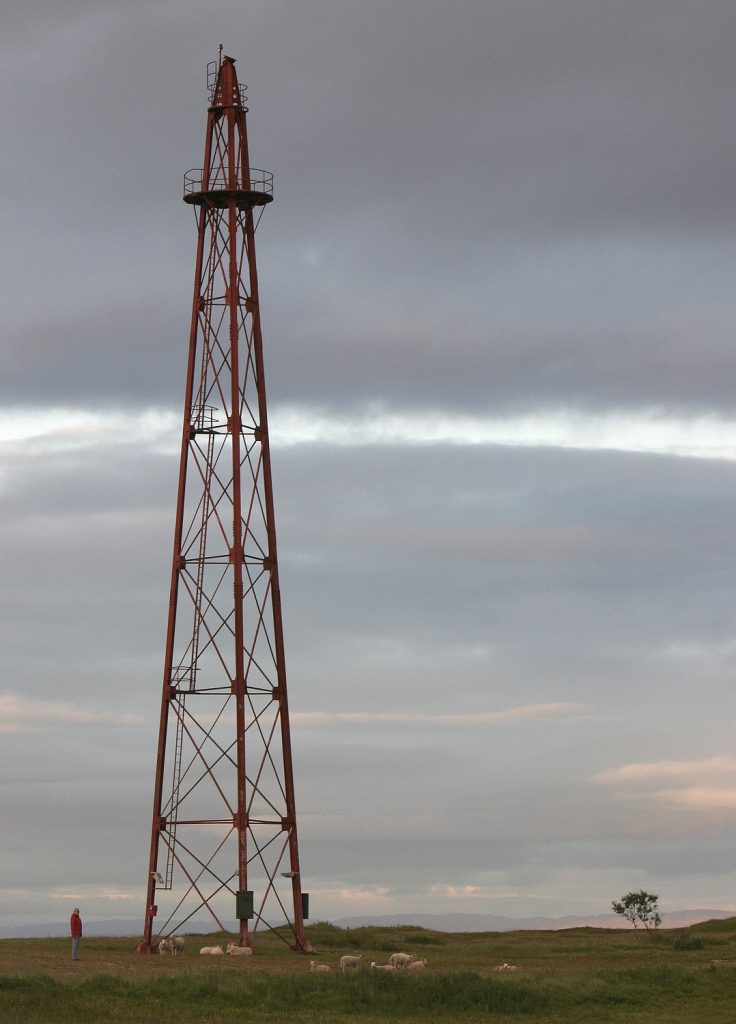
[(688, 942)]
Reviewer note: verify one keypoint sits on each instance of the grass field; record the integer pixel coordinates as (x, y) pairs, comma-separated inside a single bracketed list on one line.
[(577, 976)]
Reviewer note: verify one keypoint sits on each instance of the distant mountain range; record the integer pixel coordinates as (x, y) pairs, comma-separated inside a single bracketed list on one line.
[(434, 922), (497, 923), (57, 929)]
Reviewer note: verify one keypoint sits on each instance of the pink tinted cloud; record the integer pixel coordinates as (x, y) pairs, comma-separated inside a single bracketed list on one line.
[(708, 784), (700, 797), (22, 714), (645, 772), (527, 711)]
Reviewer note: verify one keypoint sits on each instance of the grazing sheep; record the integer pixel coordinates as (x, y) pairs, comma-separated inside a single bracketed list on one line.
[(176, 944), (506, 968), (382, 967), (400, 960), (234, 950), (314, 966), (416, 965), (351, 963), (164, 946)]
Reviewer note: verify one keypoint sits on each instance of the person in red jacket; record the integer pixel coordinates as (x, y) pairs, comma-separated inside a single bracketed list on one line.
[(75, 923)]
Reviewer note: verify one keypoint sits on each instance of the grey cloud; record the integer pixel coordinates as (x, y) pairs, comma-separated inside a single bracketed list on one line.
[(515, 205), (484, 207)]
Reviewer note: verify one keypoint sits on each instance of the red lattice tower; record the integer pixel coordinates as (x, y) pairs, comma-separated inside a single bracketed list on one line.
[(224, 835)]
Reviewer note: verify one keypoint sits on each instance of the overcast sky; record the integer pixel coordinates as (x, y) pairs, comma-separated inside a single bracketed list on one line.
[(498, 313)]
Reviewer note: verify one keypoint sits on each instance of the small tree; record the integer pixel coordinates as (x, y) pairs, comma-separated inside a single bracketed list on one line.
[(639, 908)]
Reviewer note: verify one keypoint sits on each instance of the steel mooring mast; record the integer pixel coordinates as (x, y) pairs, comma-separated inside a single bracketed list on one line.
[(224, 836)]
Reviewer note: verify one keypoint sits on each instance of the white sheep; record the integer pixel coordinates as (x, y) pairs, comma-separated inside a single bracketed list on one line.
[(351, 963), (234, 950), (314, 966), (382, 967), (416, 965), (176, 944), (506, 968), (164, 946), (400, 960), (211, 951)]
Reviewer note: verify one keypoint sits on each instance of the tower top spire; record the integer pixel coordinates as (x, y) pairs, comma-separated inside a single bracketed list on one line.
[(227, 174), (227, 92)]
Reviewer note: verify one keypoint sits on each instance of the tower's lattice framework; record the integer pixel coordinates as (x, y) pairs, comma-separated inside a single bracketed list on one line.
[(224, 834)]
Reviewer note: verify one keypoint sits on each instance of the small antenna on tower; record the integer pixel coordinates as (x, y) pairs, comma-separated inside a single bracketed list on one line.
[(219, 56)]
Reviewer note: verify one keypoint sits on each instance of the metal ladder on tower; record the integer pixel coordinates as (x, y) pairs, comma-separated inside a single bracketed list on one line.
[(189, 673)]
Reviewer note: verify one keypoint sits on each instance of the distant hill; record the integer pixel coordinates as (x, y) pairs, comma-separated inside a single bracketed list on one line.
[(117, 926), (55, 929), (434, 922), (497, 923)]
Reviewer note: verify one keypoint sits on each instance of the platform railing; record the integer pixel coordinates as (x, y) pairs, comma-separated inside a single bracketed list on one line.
[(260, 181)]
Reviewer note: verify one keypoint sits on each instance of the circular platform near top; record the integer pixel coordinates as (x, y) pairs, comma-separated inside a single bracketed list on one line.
[(220, 197), (219, 192)]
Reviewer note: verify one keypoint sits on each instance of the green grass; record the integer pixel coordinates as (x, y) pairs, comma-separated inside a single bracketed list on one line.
[(578, 976)]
